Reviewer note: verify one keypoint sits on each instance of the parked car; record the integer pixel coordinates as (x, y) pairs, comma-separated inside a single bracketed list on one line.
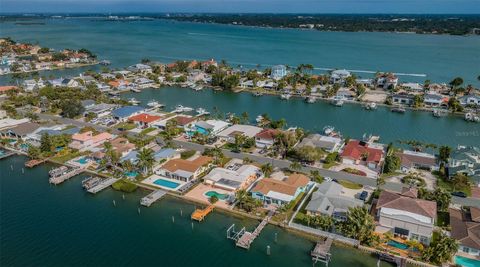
[(459, 194), (363, 196)]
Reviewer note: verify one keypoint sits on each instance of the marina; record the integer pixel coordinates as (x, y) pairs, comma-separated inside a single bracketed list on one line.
[(148, 200)]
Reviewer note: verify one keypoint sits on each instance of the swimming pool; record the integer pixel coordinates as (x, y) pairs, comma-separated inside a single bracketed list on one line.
[(131, 174), (82, 160), (466, 262), (218, 195), (396, 244), (165, 183)]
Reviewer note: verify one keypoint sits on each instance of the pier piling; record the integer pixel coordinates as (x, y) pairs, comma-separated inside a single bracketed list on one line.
[(275, 237), (268, 250), (173, 219), (114, 204), (138, 210)]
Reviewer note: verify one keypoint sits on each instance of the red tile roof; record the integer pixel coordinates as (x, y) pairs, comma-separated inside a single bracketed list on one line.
[(6, 88), (182, 120), (267, 134), (145, 118), (355, 149)]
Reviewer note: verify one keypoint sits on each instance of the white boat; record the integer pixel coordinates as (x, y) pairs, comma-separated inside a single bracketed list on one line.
[(257, 94), (198, 87), (328, 130), (371, 106), (439, 113), (133, 101), (337, 102), (180, 109), (285, 96), (259, 118), (471, 117), (135, 90), (311, 99), (201, 111), (154, 104)]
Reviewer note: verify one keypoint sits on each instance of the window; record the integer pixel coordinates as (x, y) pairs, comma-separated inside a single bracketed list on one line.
[(415, 237), (465, 249)]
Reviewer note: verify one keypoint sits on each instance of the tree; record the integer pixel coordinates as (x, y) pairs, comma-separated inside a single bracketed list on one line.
[(245, 201), (145, 159), (454, 105), (444, 153), (417, 101), (46, 143), (392, 163), (284, 142), (308, 153), (295, 166), (244, 117), (71, 108), (456, 82), (332, 157), (359, 225), (267, 169), (441, 249), (460, 180), (33, 152), (440, 196), (213, 199)]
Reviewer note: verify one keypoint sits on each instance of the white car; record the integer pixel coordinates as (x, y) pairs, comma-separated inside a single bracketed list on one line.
[(328, 179)]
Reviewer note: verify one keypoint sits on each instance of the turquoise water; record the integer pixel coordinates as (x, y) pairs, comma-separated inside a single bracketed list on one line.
[(131, 174), (396, 244), (466, 262), (352, 120), (218, 195), (440, 57), (82, 160), (44, 225), (166, 183)]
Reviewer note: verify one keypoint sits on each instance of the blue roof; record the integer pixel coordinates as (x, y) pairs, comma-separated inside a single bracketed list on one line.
[(164, 153), (126, 111)]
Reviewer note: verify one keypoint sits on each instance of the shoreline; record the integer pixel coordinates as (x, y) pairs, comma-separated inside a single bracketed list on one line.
[(240, 214), (53, 69)]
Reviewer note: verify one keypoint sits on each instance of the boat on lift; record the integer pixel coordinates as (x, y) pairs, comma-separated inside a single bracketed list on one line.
[(471, 117), (202, 111), (285, 96), (311, 99), (180, 109), (439, 113), (257, 94), (133, 101), (154, 104), (371, 106), (337, 101)]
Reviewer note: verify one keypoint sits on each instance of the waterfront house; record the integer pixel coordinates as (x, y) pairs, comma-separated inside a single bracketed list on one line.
[(210, 127), (71, 83), (435, 100), (122, 146), (339, 76), (233, 177), (30, 85), (119, 84), (184, 170), (144, 82), (8, 123), (415, 87), (402, 98), (386, 80), (405, 215), (327, 143), (88, 140), (280, 192), (465, 226), (329, 200), (208, 63), (35, 137), (123, 113), (363, 153), (195, 76), (19, 131), (470, 100), (465, 160), (7, 88), (228, 135), (266, 138), (142, 68), (144, 120), (278, 72), (411, 160), (101, 110)]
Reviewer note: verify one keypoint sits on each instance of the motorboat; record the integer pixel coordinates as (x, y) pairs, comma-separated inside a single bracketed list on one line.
[(202, 111), (328, 130), (285, 96), (180, 109), (311, 99), (259, 119), (398, 110), (439, 113), (133, 101), (471, 117), (154, 104), (257, 94), (371, 106)]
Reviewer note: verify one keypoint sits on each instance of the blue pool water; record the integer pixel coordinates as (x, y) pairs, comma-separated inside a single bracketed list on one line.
[(131, 174), (165, 183), (396, 244), (82, 160), (466, 262)]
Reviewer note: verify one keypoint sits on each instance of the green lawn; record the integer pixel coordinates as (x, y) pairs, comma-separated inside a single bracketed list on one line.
[(124, 186), (148, 130), (329, 165), (448, 185), (187, 154), (68, 156), (126, 125), (350, 185)]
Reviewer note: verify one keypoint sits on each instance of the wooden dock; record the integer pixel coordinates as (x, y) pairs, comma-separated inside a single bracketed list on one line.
[(321, 252), (200, 214), (246, 239), (148, 200), (34, 162), (102, 185), (65, 176)]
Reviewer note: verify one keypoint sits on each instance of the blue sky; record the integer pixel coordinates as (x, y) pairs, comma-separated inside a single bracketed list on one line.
[(236, 6)]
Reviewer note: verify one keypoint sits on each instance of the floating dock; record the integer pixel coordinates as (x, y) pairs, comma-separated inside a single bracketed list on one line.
[(245, 239), (148, 200), (200, 214), (102, 185), (321, 252), (65, 176), (34, 162)]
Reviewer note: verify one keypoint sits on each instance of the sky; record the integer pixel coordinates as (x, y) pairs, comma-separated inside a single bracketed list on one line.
[(244, 6)]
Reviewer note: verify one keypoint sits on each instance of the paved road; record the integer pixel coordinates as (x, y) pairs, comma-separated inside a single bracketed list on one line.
[(278, 163)]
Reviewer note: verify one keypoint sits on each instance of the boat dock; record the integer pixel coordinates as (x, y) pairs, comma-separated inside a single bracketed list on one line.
[(243, 238), (34, 162), (6, 153), (65, 176), (397, 260), (101, 185), (200, 214), (321, 252), (148, 200)]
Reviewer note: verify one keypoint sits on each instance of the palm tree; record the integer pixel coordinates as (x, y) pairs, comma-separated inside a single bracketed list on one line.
[(267, 169), (244, 117), (145, 159), (295, 166), (359, 225)]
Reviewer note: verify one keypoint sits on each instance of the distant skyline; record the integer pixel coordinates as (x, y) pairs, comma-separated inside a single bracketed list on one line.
[(244, 6)]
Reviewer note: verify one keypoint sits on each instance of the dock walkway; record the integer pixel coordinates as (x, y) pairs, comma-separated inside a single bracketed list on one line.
[(6, 153), (247, 238), (321, 252), (65, 176), (101, 185), (34, 162), (152, 197), (200, 214)]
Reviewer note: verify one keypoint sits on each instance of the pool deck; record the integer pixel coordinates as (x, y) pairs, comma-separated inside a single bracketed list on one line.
[(198, 194), (151, 182)]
